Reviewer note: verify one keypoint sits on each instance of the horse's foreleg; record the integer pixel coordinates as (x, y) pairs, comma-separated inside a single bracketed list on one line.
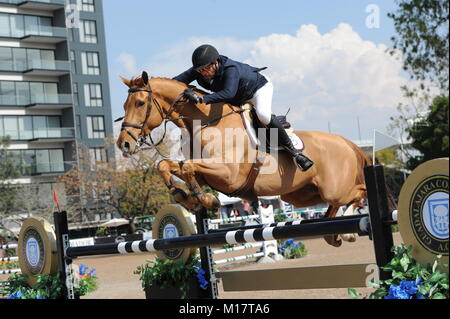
[(167, 169), (189, 171)]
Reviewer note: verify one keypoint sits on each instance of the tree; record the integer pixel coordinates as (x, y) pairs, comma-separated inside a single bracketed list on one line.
[(131, 190), (422, 35), (9, 170), (430, 135)]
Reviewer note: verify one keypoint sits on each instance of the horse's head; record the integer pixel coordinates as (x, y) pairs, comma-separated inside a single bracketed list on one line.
[(143, 113)]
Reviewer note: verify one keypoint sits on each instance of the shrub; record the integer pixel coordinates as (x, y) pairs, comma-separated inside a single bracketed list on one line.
[(410, 280)]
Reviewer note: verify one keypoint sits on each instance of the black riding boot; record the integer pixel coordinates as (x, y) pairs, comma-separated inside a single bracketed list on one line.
[(283, 140)]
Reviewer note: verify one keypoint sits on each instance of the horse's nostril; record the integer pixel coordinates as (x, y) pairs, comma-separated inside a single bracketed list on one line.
[(125, 146)]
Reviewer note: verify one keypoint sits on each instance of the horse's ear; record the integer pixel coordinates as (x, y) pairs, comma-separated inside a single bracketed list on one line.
[(125, 81), (145, 77)]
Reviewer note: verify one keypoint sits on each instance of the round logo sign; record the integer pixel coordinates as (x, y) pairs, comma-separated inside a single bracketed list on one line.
[(170, 228), (34, 251), (429, 216)]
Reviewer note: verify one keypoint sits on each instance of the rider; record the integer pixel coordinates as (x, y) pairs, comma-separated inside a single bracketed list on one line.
[(237, 83)]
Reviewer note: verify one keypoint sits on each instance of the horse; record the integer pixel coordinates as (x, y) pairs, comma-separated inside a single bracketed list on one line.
[(337, 178)]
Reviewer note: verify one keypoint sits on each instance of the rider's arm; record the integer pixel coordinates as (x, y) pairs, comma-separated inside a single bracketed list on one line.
[(187, 76), (230, 88)]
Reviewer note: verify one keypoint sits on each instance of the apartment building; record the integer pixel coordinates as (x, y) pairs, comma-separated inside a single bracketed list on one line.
[(54, 90)]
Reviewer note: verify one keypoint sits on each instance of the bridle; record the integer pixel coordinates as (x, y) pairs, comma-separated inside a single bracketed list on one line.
[(142, 138), (179, 101)]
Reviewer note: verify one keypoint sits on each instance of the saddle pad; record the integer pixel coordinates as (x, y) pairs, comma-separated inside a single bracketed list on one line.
[(249, 127), (248, 124), (296, 140)]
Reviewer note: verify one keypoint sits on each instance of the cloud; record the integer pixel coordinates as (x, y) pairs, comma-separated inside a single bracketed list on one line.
[(128, 64), (332, 77)]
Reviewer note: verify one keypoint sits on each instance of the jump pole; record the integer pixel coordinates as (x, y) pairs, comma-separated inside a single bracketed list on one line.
[(357, 224), (381, 232)]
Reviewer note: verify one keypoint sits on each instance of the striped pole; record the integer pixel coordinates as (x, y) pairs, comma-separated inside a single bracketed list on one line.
[(356, 224), (233, 219), (229, 250), (11, 246), (9, 259), (10, 271), (229, 260)]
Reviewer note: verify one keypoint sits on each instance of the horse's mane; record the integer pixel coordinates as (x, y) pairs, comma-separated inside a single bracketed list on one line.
[(139, 82)]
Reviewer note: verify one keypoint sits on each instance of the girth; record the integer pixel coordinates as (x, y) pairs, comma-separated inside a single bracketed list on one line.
[(246, 191)]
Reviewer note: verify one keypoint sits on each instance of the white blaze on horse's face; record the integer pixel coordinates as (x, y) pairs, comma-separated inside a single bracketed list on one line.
[(140, 117)]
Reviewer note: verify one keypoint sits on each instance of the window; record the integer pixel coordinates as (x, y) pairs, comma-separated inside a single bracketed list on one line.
[(6, 59), (98, 154), (90, 63), (78, 126), (95, 127), (93, 95), (73, 62), (88, 31), (24, 128), (75, 94), (15, 93), (87, 5), (40, 161)]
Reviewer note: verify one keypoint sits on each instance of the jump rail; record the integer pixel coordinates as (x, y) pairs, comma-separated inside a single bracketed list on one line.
[(351, 225)]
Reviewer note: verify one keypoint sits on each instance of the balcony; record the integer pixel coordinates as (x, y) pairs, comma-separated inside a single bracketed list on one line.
[(44, 34), (38, 101), (50, 135), (47, 169), (38, 67), (44, 135), (43, 5)]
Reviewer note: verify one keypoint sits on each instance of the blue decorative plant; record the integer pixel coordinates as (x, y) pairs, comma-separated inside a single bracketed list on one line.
[(292, 250), (410, 280)]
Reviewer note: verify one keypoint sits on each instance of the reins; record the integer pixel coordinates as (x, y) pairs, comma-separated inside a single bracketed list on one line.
[(141, 139)]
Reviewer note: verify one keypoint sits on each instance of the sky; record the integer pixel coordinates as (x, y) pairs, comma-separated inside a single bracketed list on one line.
[(327, 59)]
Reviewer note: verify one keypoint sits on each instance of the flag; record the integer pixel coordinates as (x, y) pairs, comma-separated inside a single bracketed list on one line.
[(382, 141), (55, 199)]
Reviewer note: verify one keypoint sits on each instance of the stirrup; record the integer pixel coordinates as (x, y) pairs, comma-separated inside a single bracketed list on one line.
[(303, 162)]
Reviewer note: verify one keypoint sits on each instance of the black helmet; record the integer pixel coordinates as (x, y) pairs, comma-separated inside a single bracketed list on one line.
[(204, 56)]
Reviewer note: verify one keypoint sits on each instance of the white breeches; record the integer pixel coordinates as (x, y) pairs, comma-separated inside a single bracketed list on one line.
[(262, 101)]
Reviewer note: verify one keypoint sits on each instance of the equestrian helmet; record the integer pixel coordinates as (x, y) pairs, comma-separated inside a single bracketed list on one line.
[(204, 56)]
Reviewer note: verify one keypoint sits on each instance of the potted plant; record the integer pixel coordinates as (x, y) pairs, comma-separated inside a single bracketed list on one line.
[(410, 280), (49, 286), (165, 279)]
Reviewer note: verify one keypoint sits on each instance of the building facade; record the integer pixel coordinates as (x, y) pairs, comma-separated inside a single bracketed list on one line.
[(54, 90)]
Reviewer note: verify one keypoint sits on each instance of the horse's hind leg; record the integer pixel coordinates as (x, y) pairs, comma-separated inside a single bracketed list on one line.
[(332, 239)]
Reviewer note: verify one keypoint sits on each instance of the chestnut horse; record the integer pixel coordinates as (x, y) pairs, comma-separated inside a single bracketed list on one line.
[(337, 178)]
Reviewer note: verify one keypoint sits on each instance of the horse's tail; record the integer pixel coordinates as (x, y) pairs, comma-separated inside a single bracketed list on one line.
[(364, 160)]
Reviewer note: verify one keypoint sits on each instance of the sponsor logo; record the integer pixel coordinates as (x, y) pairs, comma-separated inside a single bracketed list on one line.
[(170, 227), (429, 214), (34, 251)]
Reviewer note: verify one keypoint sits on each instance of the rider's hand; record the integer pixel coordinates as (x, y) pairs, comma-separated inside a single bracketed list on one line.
[(191, 96)]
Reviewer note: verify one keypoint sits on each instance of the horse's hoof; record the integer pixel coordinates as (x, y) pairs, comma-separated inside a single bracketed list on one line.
[(179, 195), (351, 238), (333, 241)]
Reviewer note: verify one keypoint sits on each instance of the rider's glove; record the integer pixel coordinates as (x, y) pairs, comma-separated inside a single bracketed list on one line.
[(191, 96)]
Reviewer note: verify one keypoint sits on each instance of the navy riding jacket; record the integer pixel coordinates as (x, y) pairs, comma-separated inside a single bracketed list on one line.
[(234, 82)]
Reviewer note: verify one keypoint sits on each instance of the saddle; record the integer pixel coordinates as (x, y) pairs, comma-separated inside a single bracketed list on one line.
[(253, 125)]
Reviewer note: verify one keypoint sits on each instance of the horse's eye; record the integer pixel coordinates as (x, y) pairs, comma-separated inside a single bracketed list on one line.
[(140, 104)]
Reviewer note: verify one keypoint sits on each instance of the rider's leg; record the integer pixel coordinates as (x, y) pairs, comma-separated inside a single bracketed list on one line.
[(262, 101), (284, 140)]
